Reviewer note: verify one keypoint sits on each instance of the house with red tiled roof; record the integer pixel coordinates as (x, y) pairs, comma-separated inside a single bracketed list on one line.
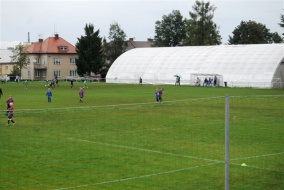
[(55, 57), (50, 58)]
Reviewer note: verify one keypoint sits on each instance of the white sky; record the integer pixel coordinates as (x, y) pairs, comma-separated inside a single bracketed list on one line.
[(136, 17)]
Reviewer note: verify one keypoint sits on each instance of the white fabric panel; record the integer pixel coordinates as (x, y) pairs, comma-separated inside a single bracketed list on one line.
[(239, 65)]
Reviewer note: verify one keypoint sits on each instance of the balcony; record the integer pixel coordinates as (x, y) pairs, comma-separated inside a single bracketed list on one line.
[(40, 66)]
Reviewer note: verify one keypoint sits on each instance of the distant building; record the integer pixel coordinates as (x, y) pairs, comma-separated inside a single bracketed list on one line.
[(132, 44), (51, 58), (6, 65), (55, 57)]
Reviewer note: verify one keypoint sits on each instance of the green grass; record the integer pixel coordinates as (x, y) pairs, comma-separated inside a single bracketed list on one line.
[(119, 138)]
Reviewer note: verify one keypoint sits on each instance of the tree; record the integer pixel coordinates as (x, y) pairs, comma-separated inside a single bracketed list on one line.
[(170, 31), (252, 32), (19, 58), (276, 38), (15, 70), (90, 52), (200, 28), (114, 48), (281, 24)]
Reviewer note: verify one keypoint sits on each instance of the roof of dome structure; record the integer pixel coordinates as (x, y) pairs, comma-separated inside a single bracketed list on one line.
[(239, 65)]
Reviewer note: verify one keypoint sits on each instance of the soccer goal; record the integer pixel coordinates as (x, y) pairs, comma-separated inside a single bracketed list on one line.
[(206, 79)]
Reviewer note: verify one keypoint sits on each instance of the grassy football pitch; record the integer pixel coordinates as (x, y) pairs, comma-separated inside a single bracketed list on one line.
[(120, 138)]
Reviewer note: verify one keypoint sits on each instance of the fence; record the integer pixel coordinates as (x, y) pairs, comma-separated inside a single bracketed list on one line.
[(193, 81), (169, 145)]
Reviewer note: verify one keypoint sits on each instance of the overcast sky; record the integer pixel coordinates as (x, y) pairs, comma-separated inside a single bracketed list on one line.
[(136, 17)]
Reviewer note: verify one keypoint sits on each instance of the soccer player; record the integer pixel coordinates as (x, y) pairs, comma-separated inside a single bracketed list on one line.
[(56, 82), (160, 95), (1, 93), (81, 94), (11, 113), (46, 83), (26, 84), (157, 95), (8, 101), (49, 95), (72, 83), (177, 80), (85, 84)]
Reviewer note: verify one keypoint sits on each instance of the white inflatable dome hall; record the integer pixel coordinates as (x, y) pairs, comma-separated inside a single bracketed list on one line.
[(260, 66)]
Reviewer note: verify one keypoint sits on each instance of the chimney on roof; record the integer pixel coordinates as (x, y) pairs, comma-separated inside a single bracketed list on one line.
[(56, 36), (131, 39), (29, 37), (40, 40), (150, 40)]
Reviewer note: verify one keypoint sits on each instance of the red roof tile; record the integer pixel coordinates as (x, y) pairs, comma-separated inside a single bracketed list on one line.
[(51, 45)]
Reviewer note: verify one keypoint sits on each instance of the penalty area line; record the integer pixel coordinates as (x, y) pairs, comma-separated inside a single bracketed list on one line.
[(137, 177)]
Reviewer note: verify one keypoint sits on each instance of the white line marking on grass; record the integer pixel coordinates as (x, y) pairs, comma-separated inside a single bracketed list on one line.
[(249, 166), (146, 150), (116, 105), (145, 103), (138, 177), (260, 156), (161, 173)]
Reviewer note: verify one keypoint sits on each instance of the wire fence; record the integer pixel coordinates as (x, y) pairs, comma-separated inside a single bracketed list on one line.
[(169, 145), (194, 82)]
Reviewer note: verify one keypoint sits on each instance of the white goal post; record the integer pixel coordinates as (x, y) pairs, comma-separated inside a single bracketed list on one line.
[(198, 79)]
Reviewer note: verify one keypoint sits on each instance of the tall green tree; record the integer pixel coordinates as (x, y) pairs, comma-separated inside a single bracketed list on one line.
[(252, 32), (276, 38), (170, 31), (281, 24), (116, 46), (201, 29), (90, 52), (20, 59)]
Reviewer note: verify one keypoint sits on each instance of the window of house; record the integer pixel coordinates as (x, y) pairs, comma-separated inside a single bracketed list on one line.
[(57, 61), (72, 61), (43, 61), (37, 74), (73, 73), (63, 48), (29, 73), (36, 61), (43, 73), (57, 73), (6, 68)]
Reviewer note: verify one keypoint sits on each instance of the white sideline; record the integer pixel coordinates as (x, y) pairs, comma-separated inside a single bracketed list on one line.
[(145, 103), (137, 177)]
